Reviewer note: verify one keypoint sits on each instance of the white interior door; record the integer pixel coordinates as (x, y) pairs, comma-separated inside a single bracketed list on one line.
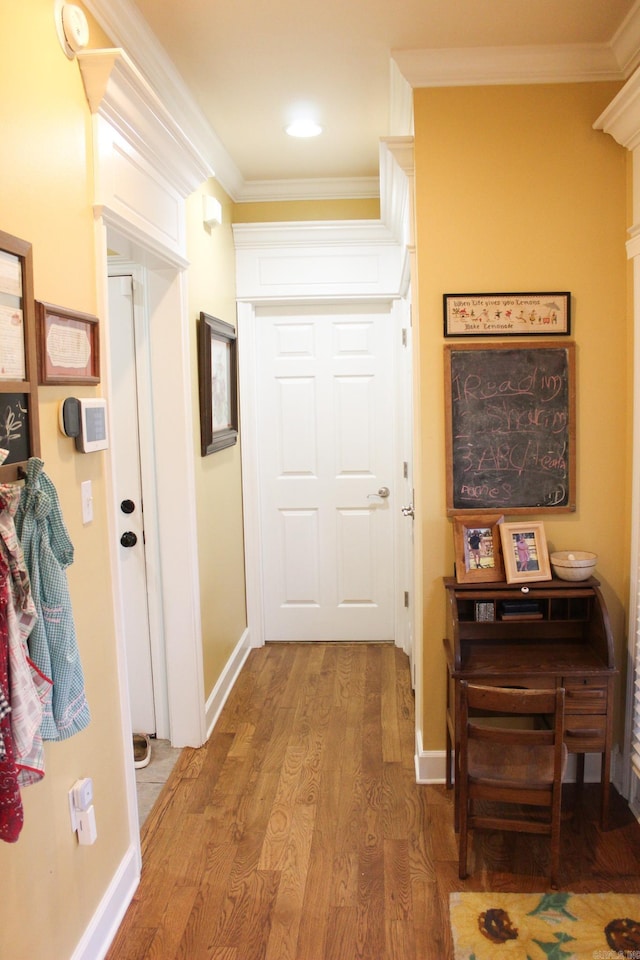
[(325, 410), (129, 505)]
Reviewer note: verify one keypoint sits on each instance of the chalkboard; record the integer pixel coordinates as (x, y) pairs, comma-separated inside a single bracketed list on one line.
[(510, 421), (14, 426)]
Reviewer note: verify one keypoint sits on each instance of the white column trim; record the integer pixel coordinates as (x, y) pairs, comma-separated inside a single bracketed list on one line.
[(621, 119)]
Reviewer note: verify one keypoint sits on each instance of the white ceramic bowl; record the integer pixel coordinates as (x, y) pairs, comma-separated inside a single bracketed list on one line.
[(573, 564)]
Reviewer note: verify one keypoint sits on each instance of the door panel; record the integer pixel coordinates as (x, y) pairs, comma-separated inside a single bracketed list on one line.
[(325, 428), (126, 453)]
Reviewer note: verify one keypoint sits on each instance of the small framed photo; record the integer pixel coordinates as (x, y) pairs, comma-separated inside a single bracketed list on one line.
[(217, 364), (507, 314), (68, 345), (478, 548), (524, 549)]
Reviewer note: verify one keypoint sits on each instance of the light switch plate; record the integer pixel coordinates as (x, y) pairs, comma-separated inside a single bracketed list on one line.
[(86, 492)]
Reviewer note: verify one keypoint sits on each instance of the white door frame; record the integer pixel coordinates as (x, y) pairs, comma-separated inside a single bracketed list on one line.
[(311, 264), (174, 585)]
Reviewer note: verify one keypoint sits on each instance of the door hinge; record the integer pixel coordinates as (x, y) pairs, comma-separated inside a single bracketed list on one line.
[(405, 470), (404, 336), (406, 599)]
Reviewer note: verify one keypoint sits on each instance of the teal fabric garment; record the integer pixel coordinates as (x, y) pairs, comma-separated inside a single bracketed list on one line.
[(52, 643)]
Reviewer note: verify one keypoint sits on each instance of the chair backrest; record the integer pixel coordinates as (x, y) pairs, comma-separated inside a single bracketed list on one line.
[(513, 702)]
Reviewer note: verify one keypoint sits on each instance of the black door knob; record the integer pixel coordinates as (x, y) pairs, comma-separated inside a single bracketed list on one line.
[(127, 506), (128, 539)]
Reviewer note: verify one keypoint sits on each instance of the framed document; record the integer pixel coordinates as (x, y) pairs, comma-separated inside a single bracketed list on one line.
[(19, 425), (68, 345)]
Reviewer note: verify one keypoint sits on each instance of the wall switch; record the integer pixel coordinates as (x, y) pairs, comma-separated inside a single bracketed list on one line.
[(72, 811), (87, 830), (86, 492)]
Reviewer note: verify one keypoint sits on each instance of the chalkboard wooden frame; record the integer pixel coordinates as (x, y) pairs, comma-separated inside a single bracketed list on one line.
[(510, 427), (19, 411)]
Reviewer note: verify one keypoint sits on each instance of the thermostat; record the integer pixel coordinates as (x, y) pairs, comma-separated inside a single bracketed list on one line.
[(86, 420)]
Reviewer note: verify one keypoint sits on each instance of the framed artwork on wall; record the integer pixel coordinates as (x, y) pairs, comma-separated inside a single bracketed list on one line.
[(68, 345), (19, 414), (217, 361), (507, 314)]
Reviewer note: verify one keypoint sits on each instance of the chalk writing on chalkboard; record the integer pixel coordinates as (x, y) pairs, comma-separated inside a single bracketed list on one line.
[(14, 426), (510, 414)]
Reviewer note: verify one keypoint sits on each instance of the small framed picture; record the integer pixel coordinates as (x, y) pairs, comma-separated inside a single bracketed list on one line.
[(68, 345), (524, 549), (218, 384), (507, 314), (478, 548)]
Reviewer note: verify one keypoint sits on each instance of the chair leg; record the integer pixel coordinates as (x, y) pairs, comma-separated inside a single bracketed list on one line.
[(463, 841)]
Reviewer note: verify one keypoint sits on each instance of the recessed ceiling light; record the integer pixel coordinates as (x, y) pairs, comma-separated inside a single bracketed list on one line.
[(304, 128)]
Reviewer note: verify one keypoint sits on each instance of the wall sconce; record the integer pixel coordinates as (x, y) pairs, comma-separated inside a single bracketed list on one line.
[(71, 26), (211, 211)]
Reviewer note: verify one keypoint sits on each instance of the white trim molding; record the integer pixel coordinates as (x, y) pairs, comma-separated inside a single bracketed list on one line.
[(104, 924), (621, 120), (484, 66), (225, 683)]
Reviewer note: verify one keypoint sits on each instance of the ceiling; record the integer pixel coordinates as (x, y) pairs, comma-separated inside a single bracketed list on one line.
[(252, 65)]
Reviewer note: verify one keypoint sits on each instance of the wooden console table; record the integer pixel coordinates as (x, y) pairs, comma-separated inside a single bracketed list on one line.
[(546, 634)]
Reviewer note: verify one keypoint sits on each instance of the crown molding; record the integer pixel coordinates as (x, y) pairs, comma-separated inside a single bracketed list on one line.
[(625, 42), (486, 66), (319, 233), (117, 91), (128, 29), (328, 188), (621, 119)]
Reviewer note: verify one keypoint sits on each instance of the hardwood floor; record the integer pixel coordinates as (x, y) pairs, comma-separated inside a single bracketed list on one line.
[(298, 831)]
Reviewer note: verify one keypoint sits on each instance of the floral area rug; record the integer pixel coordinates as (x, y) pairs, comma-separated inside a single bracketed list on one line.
[(549, 926)]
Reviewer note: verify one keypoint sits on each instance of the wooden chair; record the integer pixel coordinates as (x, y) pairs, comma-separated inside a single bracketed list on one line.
[(511, 764)]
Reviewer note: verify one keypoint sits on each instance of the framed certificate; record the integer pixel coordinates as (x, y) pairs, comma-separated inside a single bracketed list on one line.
[(68, 345), (19, 423)]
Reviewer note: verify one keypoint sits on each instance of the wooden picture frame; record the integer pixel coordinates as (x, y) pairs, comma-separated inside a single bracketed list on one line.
[(478, 548), (19, 411), (218, 378), (510, 427), (68, 345), (507, 314), (524, 551)]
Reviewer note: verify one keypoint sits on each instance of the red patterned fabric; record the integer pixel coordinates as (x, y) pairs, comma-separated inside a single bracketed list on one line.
[(11, 812)]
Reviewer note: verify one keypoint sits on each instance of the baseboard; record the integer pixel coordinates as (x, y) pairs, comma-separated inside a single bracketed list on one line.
[(431, 765), (218, 696), (104, 924)]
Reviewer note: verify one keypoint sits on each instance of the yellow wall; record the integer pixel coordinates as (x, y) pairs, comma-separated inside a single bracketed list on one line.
[(515, 191), (49, 886), (218, 476), (295, 210)]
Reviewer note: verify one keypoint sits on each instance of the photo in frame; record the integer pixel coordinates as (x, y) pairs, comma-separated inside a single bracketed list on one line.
[(68, 345), (478, 548), (524, 551), (507, 314), (217, 363)]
